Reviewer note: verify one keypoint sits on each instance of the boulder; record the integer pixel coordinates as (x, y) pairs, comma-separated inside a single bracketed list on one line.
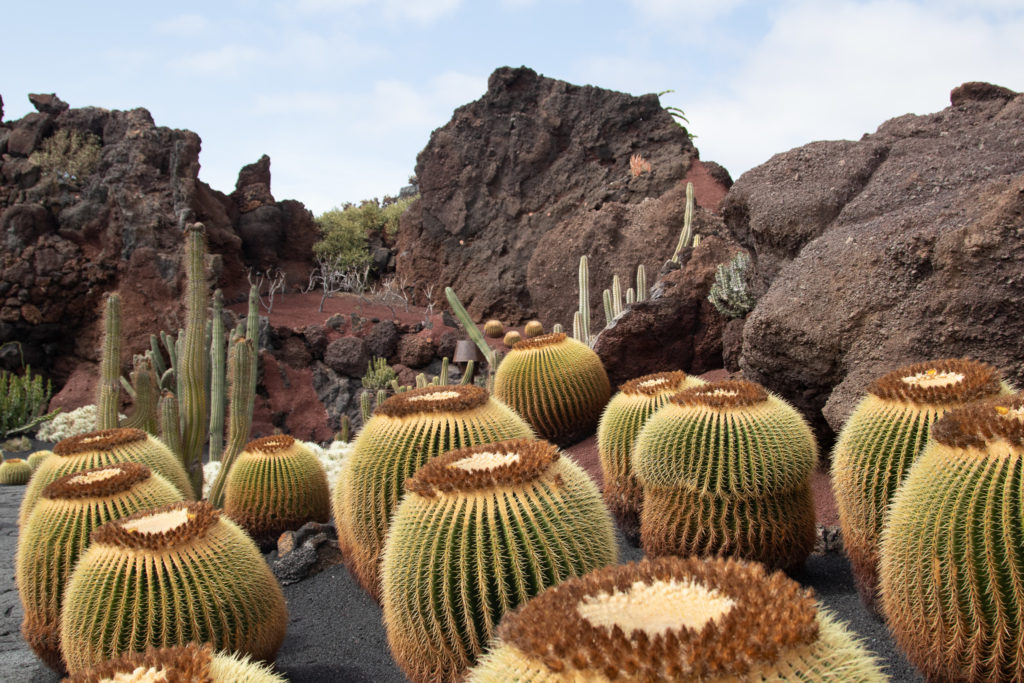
[(415, 350), (347, 356)]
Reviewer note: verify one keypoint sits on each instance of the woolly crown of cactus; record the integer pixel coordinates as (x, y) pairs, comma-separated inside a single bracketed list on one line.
[(190, 663), (675, 619), (15, 471)]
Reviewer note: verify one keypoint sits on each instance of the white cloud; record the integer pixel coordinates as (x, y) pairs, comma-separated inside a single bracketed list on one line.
[(184, 25), (693, 10), (225, 61)]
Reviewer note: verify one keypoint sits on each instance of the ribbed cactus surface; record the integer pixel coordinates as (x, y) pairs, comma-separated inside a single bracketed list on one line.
[(725, 468), (276, 484), (533, 328), (626, 413), (405, 432), (880, 441), (674, 619), (168, 576), (951, 569), (557, 384), (15, 472), (190, 663), (37, 458), (480, 531), (494, 328), (105, 447), (57, 532)]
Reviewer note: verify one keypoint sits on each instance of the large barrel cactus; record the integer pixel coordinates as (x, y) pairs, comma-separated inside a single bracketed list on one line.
[(15, 472), (105, 447), (168, 576), (557, 384), (276, 484), (620, 424), (951, 563), (57, 532), (674, 619), (190, 663), (480, 531), (726, 470), (404, 433), (882, 438)]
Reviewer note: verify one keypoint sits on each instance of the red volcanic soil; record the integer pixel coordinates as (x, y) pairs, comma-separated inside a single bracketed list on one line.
[(295, 310)]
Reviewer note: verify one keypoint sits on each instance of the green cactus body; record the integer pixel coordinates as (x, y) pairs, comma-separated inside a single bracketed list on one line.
[(104, 447), (481, 531), (57, 532), (194, 360), (191, 663), (167, 576), (533, 328), (951, 560), (620, 424), (37, 458), (676, 619), (725, 468), (405, 432), (512, 338), (108, 390), (494, 328), (557, 384), (276, 484), (15, 472), (880, 441)]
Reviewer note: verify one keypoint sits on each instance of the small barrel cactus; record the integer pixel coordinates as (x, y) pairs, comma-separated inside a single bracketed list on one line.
[(276, 484), (617, 430), (534, 328), (405, 432), (15, 472), (167, 576), (481, 531), (675, 619), (57, 532), (726, 470), (190, 663), (557, 384), (512, 338), (882, 438), (105, 447), (36, 459), (494, 328), (951, 560)]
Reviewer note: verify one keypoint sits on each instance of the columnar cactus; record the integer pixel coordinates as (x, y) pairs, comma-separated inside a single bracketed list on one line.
[(108, 390), (557, 384), (494, 328), (726, 469), (675, 619), (405, 432), (882, 438), (533, 328), (57, 532), (276, 484), (951, 568), (190, 663), (15, 472), (241, 400), (105, 447), (167, 576), (620, 424), (481, 531)]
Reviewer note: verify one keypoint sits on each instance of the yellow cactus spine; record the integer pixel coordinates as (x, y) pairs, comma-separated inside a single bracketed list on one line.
[(15, 472), (190, 663), (481, 531)]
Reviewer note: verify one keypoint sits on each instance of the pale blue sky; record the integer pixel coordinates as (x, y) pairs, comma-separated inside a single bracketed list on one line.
[(342, 94)]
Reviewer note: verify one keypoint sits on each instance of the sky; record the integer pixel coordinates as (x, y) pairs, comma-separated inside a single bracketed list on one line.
[(343, 94)]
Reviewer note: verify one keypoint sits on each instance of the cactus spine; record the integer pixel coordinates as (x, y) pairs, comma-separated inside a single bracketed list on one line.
[(192, 663), (110, 365)]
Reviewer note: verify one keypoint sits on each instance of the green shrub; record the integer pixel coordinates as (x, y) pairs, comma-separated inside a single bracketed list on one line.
[(69, 154), (23, 398), (345, 230)]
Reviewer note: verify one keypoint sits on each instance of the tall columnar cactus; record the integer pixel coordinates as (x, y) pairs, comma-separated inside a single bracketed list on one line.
[(686, 237), (109, 387), (405, 432), (145, 394), (641, 283), (675, 619), (481, 531), (190, 663), (725, 470), (241, 402), (104, 447), (217, 377), (581, 322), (167, 576), (57, 532), (193, 362), (15, 472), (557, 384), (620, 424), (276, 484), (882, 438)]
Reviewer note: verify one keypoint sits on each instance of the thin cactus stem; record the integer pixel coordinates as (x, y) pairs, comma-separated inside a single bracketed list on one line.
[(241, 400), (381, 396), (467, 375), (159, 367), (217, 369), (616, 296), (145, 394), (687, 232), (365, 409), (556, 328), (443, 377), (584, 307), (641, 283), (110, 365), (577, 323), (345, 433), (170, 418), (609, 309), (194, 359), (252, 320), (127, 386), (421, 381), (396, 387), (630, 297)]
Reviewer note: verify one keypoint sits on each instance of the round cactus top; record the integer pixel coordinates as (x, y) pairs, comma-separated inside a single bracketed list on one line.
[(983, 423), (98, 482), (159, 528), (666, 618), (190, 662), (507, 463), (949, 380), (454, 398), (654, 384), (102, 440), (540, 341), (275, 444), (730, 393), (13, 461)]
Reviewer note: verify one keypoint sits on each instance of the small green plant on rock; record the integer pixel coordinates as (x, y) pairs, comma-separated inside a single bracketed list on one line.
[(23, 398), (729, 294), (70, 155), (379, 374)]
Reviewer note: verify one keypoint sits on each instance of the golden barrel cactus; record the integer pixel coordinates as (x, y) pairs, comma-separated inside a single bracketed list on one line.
[(512, 338), (190, 663), (494, 328), (15, 472), (37, 458), (880, 441), (481, 531), (405, 432), (557, 384), (726, 470), (533, 328)]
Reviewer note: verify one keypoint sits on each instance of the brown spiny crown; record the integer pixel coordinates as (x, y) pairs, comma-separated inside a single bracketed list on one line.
[(13, 460), (102, 440), (653, 384), (275, 444), (199, 517), (997, 419), (187, 664), (540, 341), (454, 398), (771, 613), (730, 393), (98, 482), (507, 463), (910, 383)]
